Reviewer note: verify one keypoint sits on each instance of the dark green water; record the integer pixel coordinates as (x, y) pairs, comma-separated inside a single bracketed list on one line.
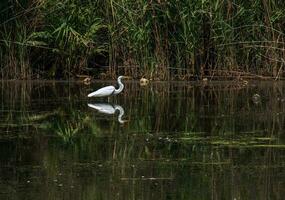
[(180, 141)]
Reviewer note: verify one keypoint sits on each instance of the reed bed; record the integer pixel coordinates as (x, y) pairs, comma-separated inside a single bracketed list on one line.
[(159, 39)]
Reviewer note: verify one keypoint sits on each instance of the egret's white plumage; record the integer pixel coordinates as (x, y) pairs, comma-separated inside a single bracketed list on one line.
[(109, 90), (105, 91)]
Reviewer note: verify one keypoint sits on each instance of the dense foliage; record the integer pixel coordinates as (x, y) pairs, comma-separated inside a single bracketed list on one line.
[(157, 39)]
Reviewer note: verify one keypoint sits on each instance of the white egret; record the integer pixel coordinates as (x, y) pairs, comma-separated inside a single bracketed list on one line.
[(109, 109), (109, 90)]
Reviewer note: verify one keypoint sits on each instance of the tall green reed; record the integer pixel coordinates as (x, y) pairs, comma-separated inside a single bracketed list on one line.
[(201, 38), (13, 36), (157, 39)]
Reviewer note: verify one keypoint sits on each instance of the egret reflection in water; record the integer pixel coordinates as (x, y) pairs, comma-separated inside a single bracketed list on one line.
[(109, 109)]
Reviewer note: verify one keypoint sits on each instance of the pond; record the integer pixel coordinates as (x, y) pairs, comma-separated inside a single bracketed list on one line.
[(174, 140)]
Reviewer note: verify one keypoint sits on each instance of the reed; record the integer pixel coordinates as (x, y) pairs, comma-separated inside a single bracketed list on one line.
[(156, 39)]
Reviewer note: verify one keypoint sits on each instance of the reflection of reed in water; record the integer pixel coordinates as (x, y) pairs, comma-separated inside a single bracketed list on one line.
[(214, 108), (161, 162)]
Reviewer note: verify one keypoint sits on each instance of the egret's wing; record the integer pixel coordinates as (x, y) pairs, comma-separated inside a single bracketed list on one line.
[(103, 108), (103, 92)]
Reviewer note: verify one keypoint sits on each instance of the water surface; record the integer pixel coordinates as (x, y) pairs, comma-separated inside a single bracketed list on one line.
[(221, 140)]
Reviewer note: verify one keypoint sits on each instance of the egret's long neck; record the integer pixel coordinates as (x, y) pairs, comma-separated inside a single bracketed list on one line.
[(121, 87)]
